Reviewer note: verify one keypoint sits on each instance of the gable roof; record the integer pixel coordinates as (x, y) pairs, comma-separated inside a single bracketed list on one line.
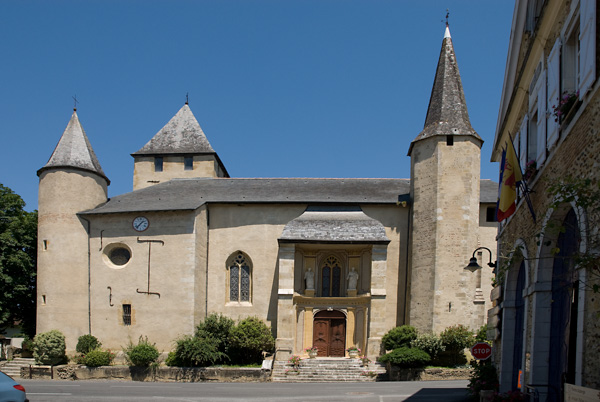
[(447, 112), (181, 135), (189, 194), (74, 150)]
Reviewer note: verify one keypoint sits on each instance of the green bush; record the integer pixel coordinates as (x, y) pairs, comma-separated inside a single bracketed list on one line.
[(248, 339), (172, 360), (483, 377), (216, 326), (406, 357), (457, 338), (87, 342), (430, 343), (399, 337), (49, 348), (481, 335), (142, 354), (196, 351), (97, 358)]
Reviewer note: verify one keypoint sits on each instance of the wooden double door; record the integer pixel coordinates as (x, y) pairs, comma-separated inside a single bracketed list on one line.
[(329, 333)]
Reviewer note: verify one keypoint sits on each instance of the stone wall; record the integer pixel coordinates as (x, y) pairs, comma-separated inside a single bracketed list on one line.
[(575, 155), (161, 374)]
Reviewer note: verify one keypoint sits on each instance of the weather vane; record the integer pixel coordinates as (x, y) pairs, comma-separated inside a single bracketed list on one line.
[(187, 99), (447, 16), (75, 102)]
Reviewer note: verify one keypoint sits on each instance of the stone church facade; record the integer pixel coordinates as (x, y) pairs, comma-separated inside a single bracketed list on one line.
[(326, 262)]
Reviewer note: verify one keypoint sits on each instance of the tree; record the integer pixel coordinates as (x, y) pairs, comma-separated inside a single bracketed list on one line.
[(18, 253)]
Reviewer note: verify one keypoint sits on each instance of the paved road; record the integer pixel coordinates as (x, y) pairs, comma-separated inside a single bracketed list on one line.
[(93, 391)]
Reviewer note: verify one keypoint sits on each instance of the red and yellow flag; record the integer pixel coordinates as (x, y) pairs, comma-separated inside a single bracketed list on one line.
[(510, 176)]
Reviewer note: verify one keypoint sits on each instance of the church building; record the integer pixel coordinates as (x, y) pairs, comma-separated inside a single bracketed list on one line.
[(332, 263)]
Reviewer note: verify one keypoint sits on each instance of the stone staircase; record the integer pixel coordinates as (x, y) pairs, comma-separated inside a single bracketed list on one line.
[(13, 367), (328, 369)]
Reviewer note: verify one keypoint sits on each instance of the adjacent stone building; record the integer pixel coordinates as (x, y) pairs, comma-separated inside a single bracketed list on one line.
[(326, 262), (546, 309)]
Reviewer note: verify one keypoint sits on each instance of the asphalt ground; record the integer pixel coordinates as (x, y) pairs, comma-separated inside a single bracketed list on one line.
[(93, 391)]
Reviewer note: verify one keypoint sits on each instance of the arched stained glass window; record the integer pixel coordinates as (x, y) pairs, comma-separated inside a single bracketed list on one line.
[(331, 277), (240, 275)]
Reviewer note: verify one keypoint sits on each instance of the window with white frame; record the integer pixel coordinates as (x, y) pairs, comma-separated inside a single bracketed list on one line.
[(239, 268), (570, 61)]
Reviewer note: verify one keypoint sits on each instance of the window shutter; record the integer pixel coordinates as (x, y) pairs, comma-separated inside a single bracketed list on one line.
[(523, 149), (587, 43), (553, 93), (541, 119)]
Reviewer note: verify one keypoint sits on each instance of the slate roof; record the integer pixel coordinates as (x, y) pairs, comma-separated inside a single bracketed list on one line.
[(447, 112), (74, 150), (189, 194), (488, 191), (181, 135), (334, 224)]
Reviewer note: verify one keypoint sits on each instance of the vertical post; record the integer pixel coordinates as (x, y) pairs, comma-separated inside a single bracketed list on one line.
[(286, 317), (351, 327), (378, 299), (308, 327)]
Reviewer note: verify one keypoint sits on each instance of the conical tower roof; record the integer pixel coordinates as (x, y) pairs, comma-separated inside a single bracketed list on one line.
[(181, 135), (447, 113), (74, 151)]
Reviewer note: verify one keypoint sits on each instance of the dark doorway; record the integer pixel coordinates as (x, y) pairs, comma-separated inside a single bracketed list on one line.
[(563, 329), (518, 333), (329, 333)]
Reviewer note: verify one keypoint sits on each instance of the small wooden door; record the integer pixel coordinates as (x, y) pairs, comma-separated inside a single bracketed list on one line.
[(329, 333)]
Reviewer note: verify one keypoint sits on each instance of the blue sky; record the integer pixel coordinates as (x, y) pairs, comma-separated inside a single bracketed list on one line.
[(281, 88)]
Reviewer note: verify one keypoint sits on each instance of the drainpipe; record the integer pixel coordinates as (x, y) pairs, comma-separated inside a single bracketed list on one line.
[(206, 272), (406, 285), (89, 277)]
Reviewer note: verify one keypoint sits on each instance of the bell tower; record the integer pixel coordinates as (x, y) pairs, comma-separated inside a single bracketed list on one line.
[(179, 150), (72, 181), (445, 180)]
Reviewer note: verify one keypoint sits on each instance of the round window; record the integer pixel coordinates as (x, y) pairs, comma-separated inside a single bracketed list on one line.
[(119, 256), (116, 255)]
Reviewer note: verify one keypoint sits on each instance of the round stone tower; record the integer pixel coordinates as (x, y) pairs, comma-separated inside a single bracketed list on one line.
[(71, 181), (445, 188)]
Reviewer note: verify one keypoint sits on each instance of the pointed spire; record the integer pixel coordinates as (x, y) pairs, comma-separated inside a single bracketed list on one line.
[(74, 150), (181, 135), (447, 113)]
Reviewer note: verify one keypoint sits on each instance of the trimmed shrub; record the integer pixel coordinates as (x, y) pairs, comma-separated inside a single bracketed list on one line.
[(430, 343), (457, 338), (97, 358), (399, 337), (406, 357), (248, 340), (49, 348), (196, 351), (141, 355), (86, 343)]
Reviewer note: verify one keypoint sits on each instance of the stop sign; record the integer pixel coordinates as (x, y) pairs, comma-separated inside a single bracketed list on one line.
[(481, 351)]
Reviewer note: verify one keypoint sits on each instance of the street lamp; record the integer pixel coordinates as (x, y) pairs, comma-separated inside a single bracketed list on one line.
[(474, 265)]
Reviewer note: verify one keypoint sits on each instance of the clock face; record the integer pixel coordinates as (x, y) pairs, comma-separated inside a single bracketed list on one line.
[(141, 223)]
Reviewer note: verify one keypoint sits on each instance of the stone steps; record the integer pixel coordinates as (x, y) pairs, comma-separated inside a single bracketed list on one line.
[(327, 370), (13, 367)]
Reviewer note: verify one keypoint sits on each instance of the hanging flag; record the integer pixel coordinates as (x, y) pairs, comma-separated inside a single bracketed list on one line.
[(510, 177)]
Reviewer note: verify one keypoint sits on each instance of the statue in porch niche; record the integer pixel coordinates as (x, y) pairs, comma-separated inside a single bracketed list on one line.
[(309, 276), (352, 279)]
